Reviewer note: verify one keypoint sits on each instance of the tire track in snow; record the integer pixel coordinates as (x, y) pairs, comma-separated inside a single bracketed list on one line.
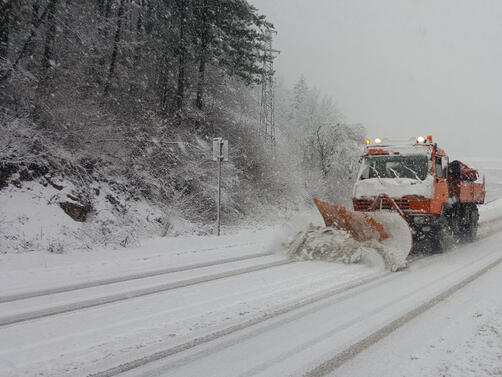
[(123, 278), (330, 295), (232, 329), (128, 294), (336, 361)]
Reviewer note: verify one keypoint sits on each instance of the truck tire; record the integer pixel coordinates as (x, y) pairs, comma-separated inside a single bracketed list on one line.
[(442, 237), (471, 223), (455, 216)]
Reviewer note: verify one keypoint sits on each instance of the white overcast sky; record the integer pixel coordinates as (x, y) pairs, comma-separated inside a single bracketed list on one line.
[(401, 67)]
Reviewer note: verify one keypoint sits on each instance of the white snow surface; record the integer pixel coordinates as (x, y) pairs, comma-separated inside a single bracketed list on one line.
[(288, 316), (31, 271), (31, 219), (299, 341), (81, 342), (395, 249), (84, 341), (461, 337), (395, 188), (328, 244), (336, 245), (490, 219)]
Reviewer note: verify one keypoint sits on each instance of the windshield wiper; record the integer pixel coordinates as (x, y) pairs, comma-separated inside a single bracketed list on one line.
[(397, 175), (413, 171), (378, 175)]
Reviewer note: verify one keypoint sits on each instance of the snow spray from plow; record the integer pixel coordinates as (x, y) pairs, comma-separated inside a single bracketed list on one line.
[(350, 236)]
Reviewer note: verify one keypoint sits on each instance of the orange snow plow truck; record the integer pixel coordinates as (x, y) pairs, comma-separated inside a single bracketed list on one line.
[(410, 188)]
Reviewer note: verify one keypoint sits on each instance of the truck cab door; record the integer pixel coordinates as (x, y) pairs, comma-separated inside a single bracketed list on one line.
[(440, 183)]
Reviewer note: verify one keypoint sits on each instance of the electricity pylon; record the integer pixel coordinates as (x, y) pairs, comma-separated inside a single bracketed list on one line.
[(267, 115)]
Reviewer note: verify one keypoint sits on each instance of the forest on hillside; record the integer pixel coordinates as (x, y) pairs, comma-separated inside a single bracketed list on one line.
[(117, 101)]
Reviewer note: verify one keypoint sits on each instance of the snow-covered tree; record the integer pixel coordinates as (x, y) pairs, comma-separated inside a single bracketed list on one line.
[(323, 149), (132, 92)]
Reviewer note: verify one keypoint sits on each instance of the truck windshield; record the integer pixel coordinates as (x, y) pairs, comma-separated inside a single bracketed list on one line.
[(395, 166)]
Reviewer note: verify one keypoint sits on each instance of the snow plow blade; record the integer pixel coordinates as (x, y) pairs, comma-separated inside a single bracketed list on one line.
[(360, 225), (387, 227)]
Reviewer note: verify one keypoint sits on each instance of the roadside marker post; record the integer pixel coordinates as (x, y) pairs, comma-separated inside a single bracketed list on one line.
[(220, 154)]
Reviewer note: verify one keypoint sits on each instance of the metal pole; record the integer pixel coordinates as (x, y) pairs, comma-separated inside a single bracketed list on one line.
[(219, 188)]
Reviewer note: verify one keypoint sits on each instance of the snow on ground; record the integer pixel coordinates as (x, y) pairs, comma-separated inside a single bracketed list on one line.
[(490, 218), (461, 337), (80, 341), (299, 341), (32, 219), (83, 341), (335, 245), (36, 270), (339, 245), (327, 244), (119, 331), (29, 271)]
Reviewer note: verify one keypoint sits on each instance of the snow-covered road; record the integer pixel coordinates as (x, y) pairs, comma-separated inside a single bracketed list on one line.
[(313, 340), (460, 337), (218, 307)]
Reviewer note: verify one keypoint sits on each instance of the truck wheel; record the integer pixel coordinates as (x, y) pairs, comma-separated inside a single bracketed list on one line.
[(442, 238), (471, 224), (456, 224)]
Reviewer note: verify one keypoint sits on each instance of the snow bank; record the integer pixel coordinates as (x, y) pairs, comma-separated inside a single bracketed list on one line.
[(326, 243), (32, 219), (334, 245)]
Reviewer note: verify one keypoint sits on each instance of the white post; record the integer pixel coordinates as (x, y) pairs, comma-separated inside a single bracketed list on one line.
[(220, 154), (220, 147)]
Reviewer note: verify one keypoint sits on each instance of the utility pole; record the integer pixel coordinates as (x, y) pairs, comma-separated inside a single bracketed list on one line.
[(267, 110)]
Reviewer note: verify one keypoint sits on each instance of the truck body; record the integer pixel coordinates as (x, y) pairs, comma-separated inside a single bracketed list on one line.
[(437, 198)]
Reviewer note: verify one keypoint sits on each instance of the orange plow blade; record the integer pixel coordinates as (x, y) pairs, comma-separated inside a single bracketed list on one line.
[(389, 228), (360, 225)]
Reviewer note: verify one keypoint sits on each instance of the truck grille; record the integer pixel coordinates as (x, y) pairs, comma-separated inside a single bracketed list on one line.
[(364, 204)]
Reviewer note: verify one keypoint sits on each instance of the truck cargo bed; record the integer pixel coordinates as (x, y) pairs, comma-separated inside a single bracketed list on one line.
[(468, 192)]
